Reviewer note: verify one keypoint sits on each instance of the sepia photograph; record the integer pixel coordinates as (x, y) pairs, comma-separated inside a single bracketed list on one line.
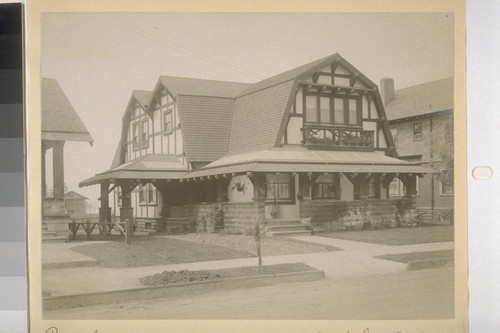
[(249, 166)]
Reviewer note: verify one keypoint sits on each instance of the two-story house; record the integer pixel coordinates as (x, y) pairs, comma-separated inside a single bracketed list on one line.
[(421, 121), (302, 144)]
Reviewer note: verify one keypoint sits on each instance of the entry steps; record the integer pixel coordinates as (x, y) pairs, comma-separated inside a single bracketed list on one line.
[(286, 227), (51, 236)]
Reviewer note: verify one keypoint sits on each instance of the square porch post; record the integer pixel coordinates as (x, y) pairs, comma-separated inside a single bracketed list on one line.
[(126, 210), (104, 209)]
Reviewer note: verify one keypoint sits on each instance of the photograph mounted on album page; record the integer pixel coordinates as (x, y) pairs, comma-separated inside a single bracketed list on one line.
[(293, 166)]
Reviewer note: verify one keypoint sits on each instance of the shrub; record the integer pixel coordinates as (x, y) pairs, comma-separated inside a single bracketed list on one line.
[(213, 221), (183, 276)]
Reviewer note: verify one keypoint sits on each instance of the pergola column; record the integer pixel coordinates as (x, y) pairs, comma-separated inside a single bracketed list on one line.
[(104, 210), (58, 168), (126, 210)]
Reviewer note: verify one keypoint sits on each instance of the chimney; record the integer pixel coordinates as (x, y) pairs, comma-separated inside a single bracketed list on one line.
[(387, 90)]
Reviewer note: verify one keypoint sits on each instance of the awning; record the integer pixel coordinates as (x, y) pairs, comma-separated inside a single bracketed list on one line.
[(147, 167), (299, 159)]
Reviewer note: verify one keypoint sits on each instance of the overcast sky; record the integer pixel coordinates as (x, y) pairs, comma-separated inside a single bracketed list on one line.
[(98, 59)]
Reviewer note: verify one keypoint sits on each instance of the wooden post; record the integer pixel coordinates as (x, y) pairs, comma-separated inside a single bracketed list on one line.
[(129, 231), (104, 210), (257, 242), (58, 169)]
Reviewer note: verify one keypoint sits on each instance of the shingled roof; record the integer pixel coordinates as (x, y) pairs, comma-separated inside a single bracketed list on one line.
[(198, 87), (59, 119), (421, 99), (206, 124)]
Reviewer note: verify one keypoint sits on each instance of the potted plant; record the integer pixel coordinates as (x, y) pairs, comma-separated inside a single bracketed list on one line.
[(240, 186)]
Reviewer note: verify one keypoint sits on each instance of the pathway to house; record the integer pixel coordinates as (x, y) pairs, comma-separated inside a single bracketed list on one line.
[(355, 260)]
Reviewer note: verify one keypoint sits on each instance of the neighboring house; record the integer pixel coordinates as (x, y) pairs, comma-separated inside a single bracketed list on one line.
[(60, 123), (312, 142), (75, 203), (421, 121)]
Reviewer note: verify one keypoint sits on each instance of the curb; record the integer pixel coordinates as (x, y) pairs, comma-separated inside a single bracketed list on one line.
[(429, 263), (70, 264), (173, 290)]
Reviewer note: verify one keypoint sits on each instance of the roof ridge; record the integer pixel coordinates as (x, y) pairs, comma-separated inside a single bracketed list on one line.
[(198, 79), (425, 83)]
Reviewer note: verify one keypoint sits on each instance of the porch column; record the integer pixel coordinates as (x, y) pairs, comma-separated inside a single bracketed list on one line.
[(126, 210), (411, 185), (104, 210), (363, 180), (58, 169)]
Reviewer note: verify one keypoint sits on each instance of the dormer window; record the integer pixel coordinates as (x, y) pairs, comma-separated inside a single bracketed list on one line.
[(140, 134), (328, 108), (168, 123)]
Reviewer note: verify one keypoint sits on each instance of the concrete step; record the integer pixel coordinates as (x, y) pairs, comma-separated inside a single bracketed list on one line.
[(289, 233), (285, 227), (282, 221), (54, 239), (48, 233)]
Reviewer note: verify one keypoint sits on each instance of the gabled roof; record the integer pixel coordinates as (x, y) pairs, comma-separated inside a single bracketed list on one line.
[(74, 195), (206, 125), (421, 99), (142, 97), (198, 87), (152, 166), (59, 119), (304, 71), (260, 112)]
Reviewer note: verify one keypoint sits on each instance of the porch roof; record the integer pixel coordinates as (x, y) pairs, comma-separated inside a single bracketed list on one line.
[(153, 166), (300, 159)]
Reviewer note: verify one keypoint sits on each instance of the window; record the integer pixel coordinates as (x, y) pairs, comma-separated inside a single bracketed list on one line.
[(417, 131), (141, 134), (394, 133), (278, 186), (311, 108), (326, 187), (147, 194), (447, 183), (118, 196), (168, 123), (327, 109), (397, 188), (338, 107)]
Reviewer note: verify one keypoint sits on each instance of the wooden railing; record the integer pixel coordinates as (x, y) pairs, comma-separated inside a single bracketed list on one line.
[(320, 136)]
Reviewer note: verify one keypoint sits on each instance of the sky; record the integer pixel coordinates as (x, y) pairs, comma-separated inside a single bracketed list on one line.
[(100, 58)]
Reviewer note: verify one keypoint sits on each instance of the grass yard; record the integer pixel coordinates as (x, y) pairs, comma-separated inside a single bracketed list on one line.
[(151, 251), (397, 236), (407, 257)]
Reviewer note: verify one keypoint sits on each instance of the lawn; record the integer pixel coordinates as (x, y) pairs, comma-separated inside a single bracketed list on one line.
[(397, 236), (151, 251), (407, 257)]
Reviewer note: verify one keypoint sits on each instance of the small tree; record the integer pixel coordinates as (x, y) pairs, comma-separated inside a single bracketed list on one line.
[(257, 242)]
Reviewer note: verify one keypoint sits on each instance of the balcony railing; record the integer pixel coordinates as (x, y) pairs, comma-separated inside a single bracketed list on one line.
[(318, 136)]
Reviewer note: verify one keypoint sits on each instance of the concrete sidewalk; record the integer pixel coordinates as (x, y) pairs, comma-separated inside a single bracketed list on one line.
[(356, 260)]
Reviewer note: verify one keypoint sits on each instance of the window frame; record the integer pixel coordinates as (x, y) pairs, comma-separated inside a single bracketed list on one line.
[(441, 187), (139, 133), (291, 188), (346, 98), (171, 128), (144, 195), (417, 136)]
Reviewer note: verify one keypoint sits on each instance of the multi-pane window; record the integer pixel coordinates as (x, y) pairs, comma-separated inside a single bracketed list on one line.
[(326, 187), (329, 109), (167, 121), (278, 186), (147, 194), (417, 131), (447, 184), (397, 188), (140, 134)]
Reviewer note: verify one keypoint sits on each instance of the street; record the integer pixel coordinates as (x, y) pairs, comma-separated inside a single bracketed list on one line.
[(424, 294)]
